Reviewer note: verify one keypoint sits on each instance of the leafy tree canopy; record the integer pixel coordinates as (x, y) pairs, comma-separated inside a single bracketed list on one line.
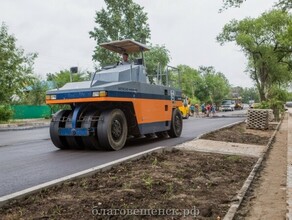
[(266, 41), (247, 94), (281, 4), (16, 68), (63, 77), (189, 79), (214, 84), (120, 20), (36, 94), (156, 60), (126, 20)]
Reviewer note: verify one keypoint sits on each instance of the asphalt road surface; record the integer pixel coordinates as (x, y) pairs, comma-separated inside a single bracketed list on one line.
[(28, 158)]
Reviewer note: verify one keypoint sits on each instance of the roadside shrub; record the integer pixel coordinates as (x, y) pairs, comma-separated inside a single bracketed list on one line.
[(276, 105), (195, 100), (5, 113), (55, 108), (262, 105), (278, 108), (278, 94)]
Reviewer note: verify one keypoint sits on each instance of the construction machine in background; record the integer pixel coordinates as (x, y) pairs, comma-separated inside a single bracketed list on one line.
[(238, 103), (231, 104), (117, 103)]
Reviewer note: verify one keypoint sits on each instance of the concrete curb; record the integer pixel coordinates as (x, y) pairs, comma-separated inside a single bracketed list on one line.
[(20, 128), (242, 192), (234, 116), (219, 129), (26, 126), (20, 194)]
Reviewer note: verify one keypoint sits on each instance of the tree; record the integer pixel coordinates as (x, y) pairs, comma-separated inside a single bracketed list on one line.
[(16, 68), (36, 94), (156, 59), (232, 3), (126, 20), (284, 5), (279, 93), (63, 77), (281, 4), (236, 91), (189, 79), (267, 44), (120, 20), (250, 94), (216, 85)]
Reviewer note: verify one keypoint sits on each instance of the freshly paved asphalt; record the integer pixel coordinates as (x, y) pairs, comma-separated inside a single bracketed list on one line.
[(28, 158)]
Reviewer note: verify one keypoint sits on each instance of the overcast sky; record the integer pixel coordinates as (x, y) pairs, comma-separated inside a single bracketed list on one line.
[(58, 31)]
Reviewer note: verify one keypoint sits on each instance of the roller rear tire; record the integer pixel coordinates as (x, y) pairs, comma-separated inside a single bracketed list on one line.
[(176, 124)]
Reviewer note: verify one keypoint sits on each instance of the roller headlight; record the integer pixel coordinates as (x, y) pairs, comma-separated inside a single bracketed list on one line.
[(99, 94)]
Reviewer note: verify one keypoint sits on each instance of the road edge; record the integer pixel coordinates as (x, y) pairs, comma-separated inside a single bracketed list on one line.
[(26, 192)]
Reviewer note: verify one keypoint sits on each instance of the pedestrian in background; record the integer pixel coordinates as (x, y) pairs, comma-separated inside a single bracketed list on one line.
[(208, 109), (213, 110), (197, 111), (192, 108), (203, 109)]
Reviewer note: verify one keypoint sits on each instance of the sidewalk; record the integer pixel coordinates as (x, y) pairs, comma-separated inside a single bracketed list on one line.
[(271, 194), (267, 196), (24, 124), (289, 166)]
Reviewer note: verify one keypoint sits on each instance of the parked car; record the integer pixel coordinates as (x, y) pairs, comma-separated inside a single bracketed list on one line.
[(228, 105), (288, 105)]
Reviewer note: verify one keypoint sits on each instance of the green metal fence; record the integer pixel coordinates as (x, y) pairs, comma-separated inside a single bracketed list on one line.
[(30, 111)]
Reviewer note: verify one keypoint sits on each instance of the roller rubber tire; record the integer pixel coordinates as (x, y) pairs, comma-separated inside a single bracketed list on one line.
[(90, 142), (112, 129), (176, 124), (74, 142), (59, 141)]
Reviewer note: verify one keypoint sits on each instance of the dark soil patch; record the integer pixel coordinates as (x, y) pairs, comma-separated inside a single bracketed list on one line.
[(167, 185), (239, 134)]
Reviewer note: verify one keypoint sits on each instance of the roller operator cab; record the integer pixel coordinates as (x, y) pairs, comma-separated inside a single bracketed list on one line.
[(117, 103)]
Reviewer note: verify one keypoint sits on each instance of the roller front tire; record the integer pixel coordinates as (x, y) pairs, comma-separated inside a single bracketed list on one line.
[(112, 129)]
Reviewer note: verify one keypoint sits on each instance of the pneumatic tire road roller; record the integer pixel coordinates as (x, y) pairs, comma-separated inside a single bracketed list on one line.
[(117, 103)]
